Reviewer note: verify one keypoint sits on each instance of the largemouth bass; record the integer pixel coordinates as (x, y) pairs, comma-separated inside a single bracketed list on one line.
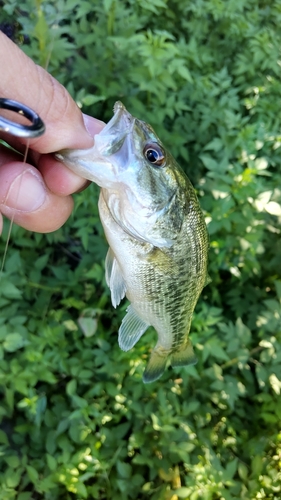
[(157, 236)]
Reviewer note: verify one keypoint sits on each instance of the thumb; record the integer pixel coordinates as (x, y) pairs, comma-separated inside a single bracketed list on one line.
[(30, 84)]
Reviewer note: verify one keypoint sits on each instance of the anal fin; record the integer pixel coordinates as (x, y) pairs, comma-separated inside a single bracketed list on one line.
[(184, 356), (131, 329)]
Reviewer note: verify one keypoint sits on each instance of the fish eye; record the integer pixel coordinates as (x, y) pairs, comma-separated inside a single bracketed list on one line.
[(154, 154)]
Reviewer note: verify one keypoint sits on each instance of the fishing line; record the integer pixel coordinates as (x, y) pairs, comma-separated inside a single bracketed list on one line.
[(35, 128), (13, 213)]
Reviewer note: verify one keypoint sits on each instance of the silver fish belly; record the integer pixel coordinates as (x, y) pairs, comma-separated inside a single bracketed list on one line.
[(158, 241)]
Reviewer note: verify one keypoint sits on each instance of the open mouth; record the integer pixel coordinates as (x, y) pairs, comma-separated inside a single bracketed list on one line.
[(121, 113)]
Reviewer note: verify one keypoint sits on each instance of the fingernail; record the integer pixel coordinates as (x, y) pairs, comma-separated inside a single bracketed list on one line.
[(93, 125), (27, 192)]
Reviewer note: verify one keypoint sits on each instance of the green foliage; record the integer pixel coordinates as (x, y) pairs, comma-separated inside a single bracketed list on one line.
[(76, 419)]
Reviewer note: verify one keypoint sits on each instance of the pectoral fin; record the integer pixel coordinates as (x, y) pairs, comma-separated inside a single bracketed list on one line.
[(131, 329), (114, 278), (184, 356)]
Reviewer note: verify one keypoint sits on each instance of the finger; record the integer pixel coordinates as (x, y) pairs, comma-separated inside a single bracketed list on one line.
[(30, 84), (60, 179), (7, 155), (57, 177), (25, 198)]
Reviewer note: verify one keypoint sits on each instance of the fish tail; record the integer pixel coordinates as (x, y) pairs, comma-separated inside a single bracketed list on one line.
[(158, 360), (156, 365), (184, 356)]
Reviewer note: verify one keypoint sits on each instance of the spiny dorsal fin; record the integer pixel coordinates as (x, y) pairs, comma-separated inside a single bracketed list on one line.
[(184, 356), (131, 329), (114, 279)]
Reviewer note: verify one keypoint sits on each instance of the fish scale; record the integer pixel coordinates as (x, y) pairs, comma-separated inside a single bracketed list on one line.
[(158, 241)]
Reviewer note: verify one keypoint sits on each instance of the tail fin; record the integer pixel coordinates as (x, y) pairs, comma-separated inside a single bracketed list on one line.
[(184, 356), (156, 365), (158, 360)]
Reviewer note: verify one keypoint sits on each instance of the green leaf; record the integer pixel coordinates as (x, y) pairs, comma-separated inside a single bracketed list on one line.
[(71, 387), (230, 470), (185, 73), (257, 465), (273, 208), (9, 290), (13, 478), (9, 397), (278, 288), (32, 474), (27, 495), (275, 383), (81, 490), (13, 342), (243, 471), (90, 99), (183, 492), (13, 461), (41, 262), (209, 162), (3, 438), (124, 469), (51, 461), (51, 442), (88, 326)]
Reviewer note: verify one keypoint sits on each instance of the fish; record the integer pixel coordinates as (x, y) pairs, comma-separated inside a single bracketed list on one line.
[(157, 236)]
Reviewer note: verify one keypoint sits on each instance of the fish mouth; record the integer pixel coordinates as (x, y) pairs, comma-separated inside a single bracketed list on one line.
[(119, 105), (120, 108), (127, 121), (111, 153), (111, 139)]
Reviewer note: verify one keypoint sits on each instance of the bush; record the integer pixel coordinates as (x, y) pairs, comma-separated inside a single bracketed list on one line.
[(76, 419)]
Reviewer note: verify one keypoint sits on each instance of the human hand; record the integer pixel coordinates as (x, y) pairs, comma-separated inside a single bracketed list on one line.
[(37, 194)]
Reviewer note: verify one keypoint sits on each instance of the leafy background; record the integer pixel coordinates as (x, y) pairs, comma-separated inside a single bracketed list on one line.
[(76, 419)]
